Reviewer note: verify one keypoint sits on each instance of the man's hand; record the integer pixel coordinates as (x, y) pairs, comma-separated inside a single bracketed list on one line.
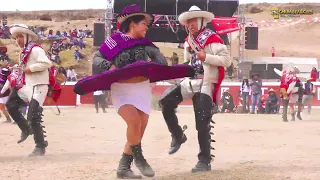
[(27, 71), (201, 55)]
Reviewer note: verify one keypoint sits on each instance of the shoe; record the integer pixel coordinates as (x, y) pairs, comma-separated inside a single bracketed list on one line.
[(140, 162), (38, 152), (201, 167), (176, 144), (124, 170)]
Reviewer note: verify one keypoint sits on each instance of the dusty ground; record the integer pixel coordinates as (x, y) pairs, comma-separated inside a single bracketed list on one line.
[(86, 145)]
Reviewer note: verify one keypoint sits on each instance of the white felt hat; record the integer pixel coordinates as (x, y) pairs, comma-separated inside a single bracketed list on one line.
[(23, 29), (195, 12)]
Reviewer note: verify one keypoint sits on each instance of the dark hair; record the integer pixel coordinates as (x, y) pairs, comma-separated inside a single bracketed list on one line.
[(245, 82), (124, 26)]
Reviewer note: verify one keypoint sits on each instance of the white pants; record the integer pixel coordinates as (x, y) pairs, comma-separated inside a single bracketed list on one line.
[(38, 92), (190, 86)]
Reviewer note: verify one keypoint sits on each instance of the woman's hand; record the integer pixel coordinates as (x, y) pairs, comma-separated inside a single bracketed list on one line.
[(112, 67)]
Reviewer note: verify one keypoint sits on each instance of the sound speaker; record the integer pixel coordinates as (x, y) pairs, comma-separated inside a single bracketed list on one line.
[(258, 67), (251, 38), (224, 8), (99, 35), (167, 7)]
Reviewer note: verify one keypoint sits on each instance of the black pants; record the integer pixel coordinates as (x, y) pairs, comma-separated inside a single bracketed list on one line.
[(100, 100)]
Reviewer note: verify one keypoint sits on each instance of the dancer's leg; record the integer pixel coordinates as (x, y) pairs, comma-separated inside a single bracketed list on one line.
[(134, 122), (5, 113)]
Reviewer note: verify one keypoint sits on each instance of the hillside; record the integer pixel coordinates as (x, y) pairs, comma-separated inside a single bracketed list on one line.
[(298, 40)]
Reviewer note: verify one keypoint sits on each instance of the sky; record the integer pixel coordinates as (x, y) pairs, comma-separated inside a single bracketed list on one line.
[(38, 5)]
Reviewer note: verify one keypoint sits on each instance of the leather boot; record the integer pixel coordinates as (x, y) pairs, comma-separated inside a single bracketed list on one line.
[(124, 170), (168, 103), (299, 116), (285, 103), (293, 116), (202, 104), (35, 117), (140, 162), (12, 105)]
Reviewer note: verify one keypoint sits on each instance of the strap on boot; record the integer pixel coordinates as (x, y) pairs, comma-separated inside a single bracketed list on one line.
[(203, 109), (35, 117), (168, 103)]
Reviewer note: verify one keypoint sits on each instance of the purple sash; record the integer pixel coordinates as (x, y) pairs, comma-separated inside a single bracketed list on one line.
[(117, 42), (153, 71)]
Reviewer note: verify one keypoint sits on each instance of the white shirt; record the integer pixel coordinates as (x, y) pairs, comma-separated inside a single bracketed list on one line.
[(245, 88), (97, 93), (69, 73)]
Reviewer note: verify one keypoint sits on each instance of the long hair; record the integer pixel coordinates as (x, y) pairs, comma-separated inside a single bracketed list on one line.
[(245, 82)]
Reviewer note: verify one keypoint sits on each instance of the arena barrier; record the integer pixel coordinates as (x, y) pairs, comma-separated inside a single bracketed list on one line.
[(70, 99)]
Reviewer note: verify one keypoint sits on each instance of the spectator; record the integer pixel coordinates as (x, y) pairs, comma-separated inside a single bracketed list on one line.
[(272, 102), (314, 74), (256, 85), (175, 58), (73, 74), (230, 70), (69, 74), (227, 102), (273, 52), (309, 92), (99, 99), (81, 43), (77, 55), (244, 92)]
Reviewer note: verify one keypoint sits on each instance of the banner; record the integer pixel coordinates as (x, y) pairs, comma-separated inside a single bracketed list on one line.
[(225, 25)]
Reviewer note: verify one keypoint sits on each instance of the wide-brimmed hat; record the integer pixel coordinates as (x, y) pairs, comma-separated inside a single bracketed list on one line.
[(255, 74), (5, 72), (133, 10), (271, 90), (23, 29), (195, 12)]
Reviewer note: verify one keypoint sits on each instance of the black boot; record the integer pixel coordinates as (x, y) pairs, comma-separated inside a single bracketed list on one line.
[(293, 118), (124, 170), (13, 104), (140, 162), (168, 103), (35, 117), (285, 103), (202, 104), (299, 116)]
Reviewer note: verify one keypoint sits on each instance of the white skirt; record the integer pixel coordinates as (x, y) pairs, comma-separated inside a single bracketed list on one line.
[(293, 98), (137, 94), (3, 100)]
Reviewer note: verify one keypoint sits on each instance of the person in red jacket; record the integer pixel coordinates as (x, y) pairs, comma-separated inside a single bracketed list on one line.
[(314, 74)]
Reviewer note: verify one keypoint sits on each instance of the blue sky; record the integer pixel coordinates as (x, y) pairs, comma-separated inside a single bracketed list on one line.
[(36, 5)]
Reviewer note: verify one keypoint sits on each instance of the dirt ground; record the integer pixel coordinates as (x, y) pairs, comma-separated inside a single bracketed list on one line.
[(84, 145)]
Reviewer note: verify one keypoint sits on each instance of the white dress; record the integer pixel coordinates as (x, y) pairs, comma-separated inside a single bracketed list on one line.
[(137, 94)]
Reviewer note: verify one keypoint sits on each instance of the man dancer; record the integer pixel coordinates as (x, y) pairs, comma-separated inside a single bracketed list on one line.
[(35, 65), (289, 89), (213, 56)]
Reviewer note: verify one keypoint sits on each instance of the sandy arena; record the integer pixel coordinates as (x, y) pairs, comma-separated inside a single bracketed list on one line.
[(84, 145)]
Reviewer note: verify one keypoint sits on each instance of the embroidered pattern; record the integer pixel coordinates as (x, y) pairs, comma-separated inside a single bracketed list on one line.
[(203, 36), (111, 43)]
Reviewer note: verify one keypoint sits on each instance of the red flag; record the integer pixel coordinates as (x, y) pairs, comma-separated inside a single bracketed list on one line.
[(224, 25)]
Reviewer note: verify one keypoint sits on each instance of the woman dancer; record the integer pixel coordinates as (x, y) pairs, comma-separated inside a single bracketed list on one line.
[(121, 64), (4, 94)]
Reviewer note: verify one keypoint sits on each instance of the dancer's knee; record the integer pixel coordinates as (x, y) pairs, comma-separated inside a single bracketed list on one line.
[(131, 116)]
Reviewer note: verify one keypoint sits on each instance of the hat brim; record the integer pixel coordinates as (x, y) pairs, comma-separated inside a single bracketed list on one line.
[(21, 30), (121, 18), (184, 17)]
